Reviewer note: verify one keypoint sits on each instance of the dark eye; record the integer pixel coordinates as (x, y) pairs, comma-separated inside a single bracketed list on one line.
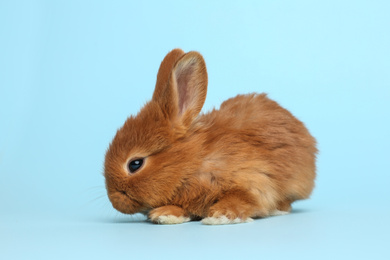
[(134, 165)]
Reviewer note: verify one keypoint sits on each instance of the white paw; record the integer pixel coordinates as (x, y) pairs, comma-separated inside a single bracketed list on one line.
[(277, 212), (170, 219), (223, 220)]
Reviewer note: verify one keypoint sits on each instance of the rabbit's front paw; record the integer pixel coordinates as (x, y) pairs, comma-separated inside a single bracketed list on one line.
[(221, 214), (168, 215), (235, 207), (222, 220)]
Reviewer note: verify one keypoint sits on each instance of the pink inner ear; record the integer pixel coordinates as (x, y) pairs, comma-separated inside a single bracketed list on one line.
[(183, 78)]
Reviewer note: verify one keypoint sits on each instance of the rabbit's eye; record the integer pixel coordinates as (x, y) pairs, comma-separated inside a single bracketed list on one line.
[(134, 165)]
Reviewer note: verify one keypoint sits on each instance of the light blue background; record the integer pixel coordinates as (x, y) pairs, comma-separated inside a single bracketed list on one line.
[(72, 71)]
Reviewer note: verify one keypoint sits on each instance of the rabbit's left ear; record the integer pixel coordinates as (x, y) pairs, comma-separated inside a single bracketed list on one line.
[(165, 70), (184, 95)]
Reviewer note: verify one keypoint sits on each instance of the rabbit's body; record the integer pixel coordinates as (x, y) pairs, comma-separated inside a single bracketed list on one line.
[(250, 158)]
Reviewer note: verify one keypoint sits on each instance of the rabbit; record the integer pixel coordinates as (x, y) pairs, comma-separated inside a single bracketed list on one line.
[(249, 159)]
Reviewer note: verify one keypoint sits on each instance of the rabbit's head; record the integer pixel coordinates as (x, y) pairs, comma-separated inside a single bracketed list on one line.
[(144, 163)]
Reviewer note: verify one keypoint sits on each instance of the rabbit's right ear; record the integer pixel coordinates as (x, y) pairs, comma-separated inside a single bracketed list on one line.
[(182, 98)]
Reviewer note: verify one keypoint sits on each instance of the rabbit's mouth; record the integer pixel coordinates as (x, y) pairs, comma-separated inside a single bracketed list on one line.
[(122, 202)]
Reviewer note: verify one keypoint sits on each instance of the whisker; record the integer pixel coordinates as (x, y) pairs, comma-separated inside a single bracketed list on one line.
[(97, 198)]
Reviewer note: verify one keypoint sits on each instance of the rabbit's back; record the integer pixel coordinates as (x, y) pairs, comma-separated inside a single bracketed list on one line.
[(252, 141)]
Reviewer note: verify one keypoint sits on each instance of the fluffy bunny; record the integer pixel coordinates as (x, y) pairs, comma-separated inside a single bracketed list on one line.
[(249, 159)]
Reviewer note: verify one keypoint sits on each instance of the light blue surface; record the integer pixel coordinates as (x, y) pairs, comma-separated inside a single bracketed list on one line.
[(72, 71)]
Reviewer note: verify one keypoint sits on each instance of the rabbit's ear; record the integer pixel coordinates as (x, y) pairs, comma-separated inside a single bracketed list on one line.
[(165, 70), (182, 98), (189, 80)]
